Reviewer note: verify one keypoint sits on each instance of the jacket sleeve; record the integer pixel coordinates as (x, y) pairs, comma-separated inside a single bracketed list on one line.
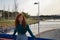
[(15, 30), (30, 32)]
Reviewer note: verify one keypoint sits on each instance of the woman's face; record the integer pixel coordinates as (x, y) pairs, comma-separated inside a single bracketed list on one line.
[(20, 19)]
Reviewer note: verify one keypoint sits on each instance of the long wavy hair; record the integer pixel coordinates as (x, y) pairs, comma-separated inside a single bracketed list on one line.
[(23, 21)]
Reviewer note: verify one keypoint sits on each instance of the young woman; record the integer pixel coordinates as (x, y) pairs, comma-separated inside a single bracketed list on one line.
[(21, 28)]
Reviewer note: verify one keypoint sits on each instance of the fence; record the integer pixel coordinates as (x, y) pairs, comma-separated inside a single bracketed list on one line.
[(10, 37)]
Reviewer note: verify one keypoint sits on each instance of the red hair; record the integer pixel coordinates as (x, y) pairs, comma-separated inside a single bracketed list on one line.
[(17, 21)]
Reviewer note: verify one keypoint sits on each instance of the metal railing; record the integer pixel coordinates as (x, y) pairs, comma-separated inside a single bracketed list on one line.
[(7, 36)]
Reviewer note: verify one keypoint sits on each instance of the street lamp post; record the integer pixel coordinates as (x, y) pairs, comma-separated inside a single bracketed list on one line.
[(38, 16)]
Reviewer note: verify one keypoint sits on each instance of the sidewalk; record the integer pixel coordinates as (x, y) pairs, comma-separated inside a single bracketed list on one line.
[(52, 34)]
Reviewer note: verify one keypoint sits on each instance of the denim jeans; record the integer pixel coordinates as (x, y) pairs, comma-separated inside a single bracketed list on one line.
[(22, 37)]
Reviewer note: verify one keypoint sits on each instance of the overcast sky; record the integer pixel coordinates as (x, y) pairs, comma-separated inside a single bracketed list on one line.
[(47, 7)]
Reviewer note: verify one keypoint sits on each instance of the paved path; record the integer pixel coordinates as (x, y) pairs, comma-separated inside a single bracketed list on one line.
[(53, 34)]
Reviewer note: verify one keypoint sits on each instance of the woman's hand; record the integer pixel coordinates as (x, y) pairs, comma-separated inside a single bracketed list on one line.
[(35, 37), (13, 35)]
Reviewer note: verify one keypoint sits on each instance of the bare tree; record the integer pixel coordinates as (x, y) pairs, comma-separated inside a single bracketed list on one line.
[(15, 5), (3, 14), (8, 11), (15, 8)]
